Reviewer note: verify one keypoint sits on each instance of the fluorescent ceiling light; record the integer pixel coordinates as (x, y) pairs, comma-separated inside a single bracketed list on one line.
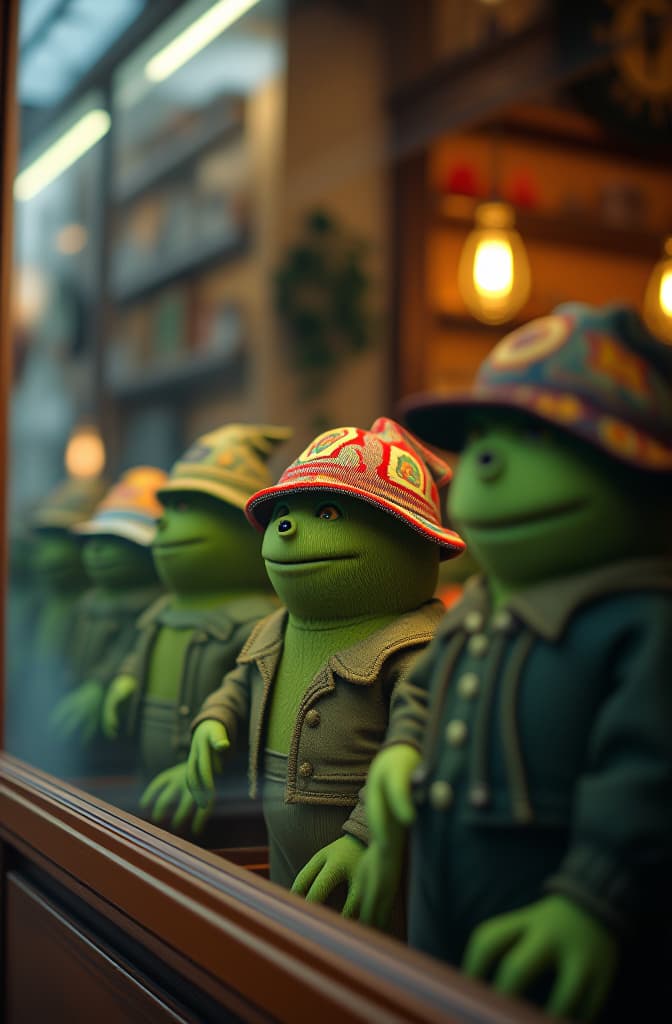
[(195, 37), (63, 153)]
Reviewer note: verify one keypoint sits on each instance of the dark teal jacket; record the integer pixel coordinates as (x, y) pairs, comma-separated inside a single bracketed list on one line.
[(549, 721)]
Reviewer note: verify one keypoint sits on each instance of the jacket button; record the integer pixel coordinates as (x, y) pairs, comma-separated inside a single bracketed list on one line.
[(502, 620), (468, 685), (479, 795), (184, 710), (473, 621), (478, 644), (456, 733), (313, 718), (441, 795), (305, 769)]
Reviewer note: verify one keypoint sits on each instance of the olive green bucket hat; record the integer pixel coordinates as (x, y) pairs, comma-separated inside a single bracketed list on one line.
[(230, 463)]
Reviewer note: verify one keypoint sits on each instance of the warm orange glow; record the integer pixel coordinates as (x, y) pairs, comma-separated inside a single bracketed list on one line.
[(71, 239), (665, 292), (658, 297), (30, 295), (85, 453), (493, 268), (494, 273)]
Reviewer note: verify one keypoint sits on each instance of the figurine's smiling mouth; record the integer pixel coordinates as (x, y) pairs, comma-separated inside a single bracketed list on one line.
[(177, 543), (299, 562), (525, 518)]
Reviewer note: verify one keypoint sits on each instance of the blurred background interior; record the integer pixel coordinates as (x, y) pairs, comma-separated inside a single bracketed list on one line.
[(298, 212), (266, 210)]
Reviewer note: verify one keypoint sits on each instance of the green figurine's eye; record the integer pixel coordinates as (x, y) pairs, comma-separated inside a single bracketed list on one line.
[(328, 512), (280, 510)]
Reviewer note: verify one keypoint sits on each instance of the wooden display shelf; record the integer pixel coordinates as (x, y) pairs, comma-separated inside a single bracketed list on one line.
[(464, 322), (458, 212), (180, 269), (202, 938), (176, 378), (171, 158)]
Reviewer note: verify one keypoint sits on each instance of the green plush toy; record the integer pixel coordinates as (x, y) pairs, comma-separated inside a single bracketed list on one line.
[(352, 544), (41, 668), (61, 580), (208, 559), (535, 755), (118, 562)]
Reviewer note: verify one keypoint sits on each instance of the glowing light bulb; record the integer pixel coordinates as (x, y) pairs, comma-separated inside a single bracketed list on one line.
[(658, 297), (665, 293), (494, 272), (493, 268), (85, 453)]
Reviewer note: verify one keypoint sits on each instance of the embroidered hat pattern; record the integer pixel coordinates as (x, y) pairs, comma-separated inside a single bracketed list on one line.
[(595, 373), (385, 466)]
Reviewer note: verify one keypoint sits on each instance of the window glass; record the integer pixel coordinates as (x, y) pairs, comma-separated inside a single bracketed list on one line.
[(244, 231)]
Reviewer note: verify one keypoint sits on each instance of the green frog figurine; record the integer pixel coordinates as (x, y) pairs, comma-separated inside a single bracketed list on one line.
[(209, 561), (42, 671), (352, 543), (117, 557), (534, 757), (58, 568)]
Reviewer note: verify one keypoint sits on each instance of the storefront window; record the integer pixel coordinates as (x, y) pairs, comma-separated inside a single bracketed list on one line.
[(240, 225)]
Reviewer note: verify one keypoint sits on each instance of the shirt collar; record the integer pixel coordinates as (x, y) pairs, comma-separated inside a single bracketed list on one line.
[(547, 607)]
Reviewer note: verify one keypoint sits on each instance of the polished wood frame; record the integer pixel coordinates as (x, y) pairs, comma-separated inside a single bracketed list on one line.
[(254, 949)]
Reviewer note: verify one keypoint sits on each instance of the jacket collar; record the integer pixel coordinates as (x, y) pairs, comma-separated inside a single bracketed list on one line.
[(363, 660), (547, 608), (217, 622)]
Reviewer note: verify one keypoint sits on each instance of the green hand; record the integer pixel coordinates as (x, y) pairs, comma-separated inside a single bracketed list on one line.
[(378, 878), (556, 934), (78, 714), (169, 790), (330, 866), (210, 739), (389, 811), (388, 790), (119, 692)]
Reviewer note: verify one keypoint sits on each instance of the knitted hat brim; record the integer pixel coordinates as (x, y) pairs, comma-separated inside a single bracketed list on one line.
[(442, 422), (259, 507), (229, 495), (138, 533)]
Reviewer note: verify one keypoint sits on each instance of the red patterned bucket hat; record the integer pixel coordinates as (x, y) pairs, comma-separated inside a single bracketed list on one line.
[(385, 466), (597, 374)]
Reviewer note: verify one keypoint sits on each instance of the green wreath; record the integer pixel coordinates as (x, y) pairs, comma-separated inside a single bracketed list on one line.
[(321, 296)]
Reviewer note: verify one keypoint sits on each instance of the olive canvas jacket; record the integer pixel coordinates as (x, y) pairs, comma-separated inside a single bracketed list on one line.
[(106, 630), (218, 635), (556, 713), (343, 716)]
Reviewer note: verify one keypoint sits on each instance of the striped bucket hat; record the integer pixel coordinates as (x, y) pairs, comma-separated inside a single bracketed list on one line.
[(130, 509)]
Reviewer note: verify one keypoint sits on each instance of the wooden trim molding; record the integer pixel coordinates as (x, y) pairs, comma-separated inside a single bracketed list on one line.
[(241, 933), (9, 21)]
